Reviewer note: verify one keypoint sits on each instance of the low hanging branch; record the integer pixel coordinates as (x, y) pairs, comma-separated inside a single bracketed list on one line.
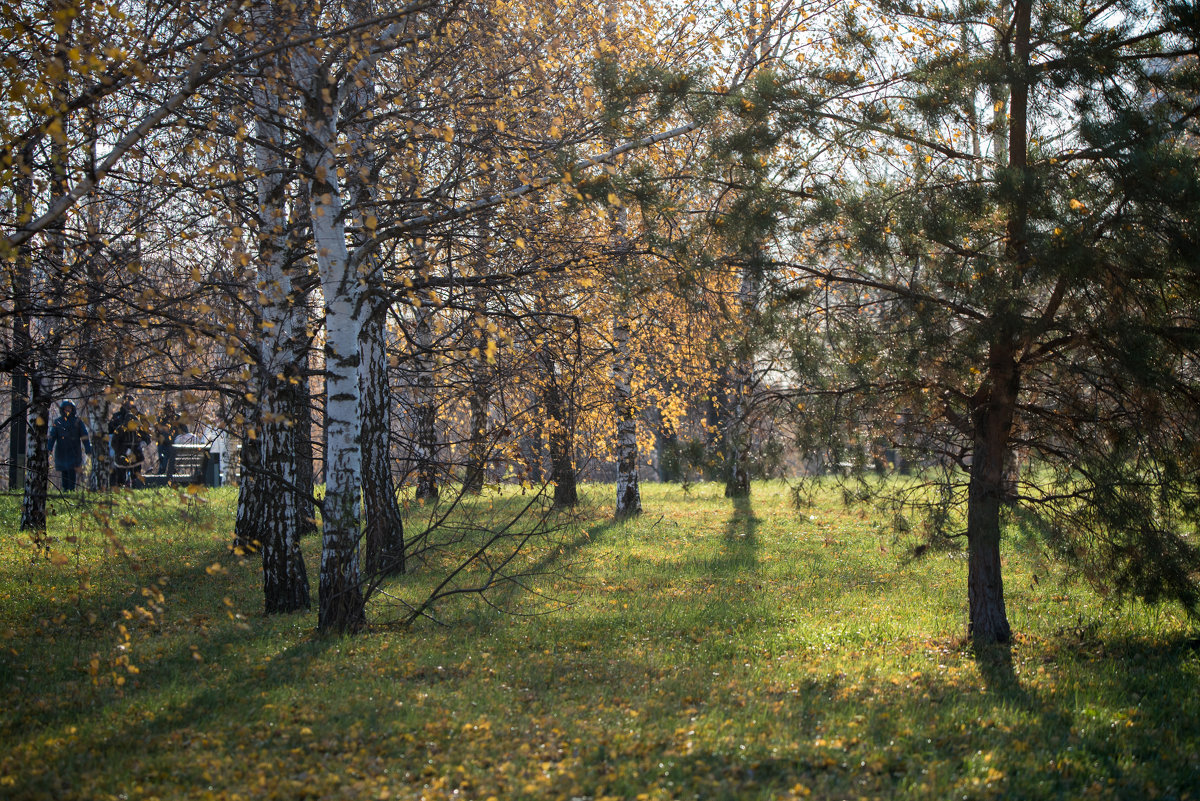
[(195, 77), (458, 212)]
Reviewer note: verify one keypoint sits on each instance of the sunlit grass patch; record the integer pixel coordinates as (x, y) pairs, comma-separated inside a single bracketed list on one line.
[(703, 650)]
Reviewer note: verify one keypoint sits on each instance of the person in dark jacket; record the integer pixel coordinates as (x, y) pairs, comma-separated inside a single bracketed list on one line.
[(127, 434), (68, 442), (168, 427)]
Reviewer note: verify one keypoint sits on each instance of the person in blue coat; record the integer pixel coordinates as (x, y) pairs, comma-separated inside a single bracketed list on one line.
[(68, 442)]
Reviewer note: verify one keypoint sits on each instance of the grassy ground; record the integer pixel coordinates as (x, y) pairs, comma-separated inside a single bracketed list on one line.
[(705, 650)]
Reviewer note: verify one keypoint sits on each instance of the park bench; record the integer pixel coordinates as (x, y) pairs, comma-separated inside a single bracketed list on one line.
[(194, 464)]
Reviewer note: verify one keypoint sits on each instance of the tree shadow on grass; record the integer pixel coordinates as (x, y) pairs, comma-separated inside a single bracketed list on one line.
[(995, 662), (932, 736), (153, 742), (182, 666), (740, 542), (743, 523), (1042, 719)]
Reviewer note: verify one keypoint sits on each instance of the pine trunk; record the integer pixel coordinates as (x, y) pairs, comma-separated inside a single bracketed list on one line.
[(992, 420), (995, 403), (737, 420)]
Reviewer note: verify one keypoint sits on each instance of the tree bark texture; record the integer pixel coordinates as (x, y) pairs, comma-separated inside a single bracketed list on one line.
[(736, 434), (46, 282), (302, 443), (37, 455), (716, 410), (481, 388), (425, 436), (560, 434), (383, 533), (477, 448), (22, 343), (992, 420), (285, 578), (995, 403), (629, 495), (670, 463), (341, 605), (95, 409), (247, 533), (300, 394)]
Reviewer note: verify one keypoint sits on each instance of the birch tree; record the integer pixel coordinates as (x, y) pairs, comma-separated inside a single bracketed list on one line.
[(42, 333), (274, 482), (323, 97)]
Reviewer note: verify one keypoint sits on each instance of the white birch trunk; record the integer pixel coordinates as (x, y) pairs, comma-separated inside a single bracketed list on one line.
[(46, 284), (285, 579), (481, 376), (383, 530), (629, 495), (340, 600), (425, 437)]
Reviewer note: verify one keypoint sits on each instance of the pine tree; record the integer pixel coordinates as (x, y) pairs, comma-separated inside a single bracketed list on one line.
[(1019, 236)]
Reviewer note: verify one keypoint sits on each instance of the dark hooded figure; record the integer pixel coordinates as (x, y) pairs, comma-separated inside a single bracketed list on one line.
[(68, 442), (168, 426), (127, 434)]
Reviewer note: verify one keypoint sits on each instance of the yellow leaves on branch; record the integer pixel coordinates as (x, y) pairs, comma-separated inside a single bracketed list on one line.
[(488, 353)]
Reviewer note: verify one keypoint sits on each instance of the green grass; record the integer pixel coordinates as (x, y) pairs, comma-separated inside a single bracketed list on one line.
[(701, 651)]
